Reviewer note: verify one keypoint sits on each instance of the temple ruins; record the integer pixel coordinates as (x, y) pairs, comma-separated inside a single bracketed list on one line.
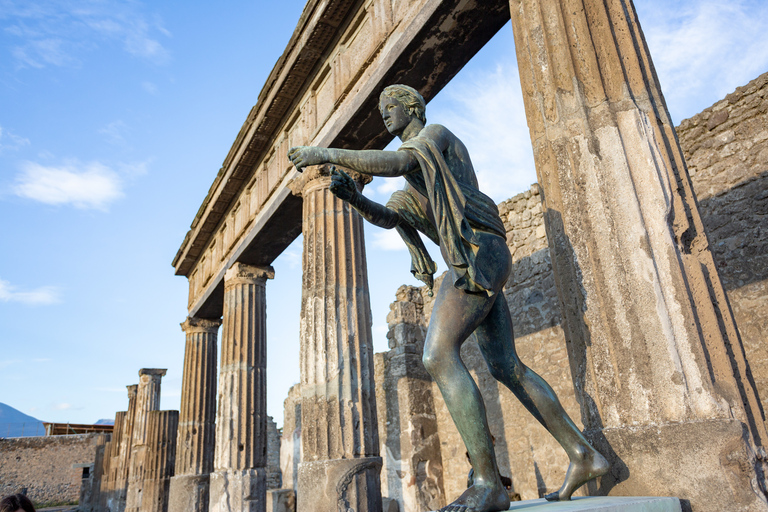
[(637, 289)]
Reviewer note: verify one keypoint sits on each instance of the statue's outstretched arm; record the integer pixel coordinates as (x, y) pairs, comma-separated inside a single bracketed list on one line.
[(370, 161), (343, 187)]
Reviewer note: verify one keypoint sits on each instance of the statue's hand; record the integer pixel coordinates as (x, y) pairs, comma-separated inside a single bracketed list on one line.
[(342, 186), (302, 156)]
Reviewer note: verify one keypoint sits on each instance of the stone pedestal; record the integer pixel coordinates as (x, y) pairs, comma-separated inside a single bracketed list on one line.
[(238, 490), (238, 483), (160, 460), (340, 442), (601, 504), (197, 418), (147, 400), (655, 356)]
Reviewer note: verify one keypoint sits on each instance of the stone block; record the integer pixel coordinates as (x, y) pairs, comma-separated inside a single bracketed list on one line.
[(281, 500), (189, 493), (238, 490), (601, 504), (339, 484), (706, 463)]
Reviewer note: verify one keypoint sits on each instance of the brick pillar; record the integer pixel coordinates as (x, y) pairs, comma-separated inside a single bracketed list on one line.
[(658, 365), (197, 418), (238, 482), (162, 428), (147, 400), (340, 443), (111, 462)]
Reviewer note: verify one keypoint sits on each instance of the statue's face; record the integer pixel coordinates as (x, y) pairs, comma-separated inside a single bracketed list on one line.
[(395, 117)]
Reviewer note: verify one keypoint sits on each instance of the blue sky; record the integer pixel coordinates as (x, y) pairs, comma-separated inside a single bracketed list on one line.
[(115, 117)]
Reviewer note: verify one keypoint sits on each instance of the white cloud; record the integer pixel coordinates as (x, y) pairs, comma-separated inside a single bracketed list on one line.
[(52, 32), (10, 141), (39, 296), (64, 406), (387, 240), (485, 110), (114, 131), (149, 87), (91, 185), (704, 49)]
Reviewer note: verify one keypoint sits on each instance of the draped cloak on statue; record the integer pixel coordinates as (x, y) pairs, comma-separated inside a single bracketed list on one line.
[(459, 209)]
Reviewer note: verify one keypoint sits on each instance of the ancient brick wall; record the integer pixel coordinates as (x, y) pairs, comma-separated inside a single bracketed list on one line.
[(44, 466), (726, 148)]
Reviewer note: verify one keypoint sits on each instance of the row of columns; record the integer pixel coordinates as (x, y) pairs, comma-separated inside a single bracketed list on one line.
[(213, 457), (651, 337)]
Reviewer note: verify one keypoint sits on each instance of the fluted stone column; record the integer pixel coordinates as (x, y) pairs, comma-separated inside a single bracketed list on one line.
[(111, 463), (658, 365), (197, 418), (118, 494), (162, 428), (341, 464), (238, 482), (147, 400)]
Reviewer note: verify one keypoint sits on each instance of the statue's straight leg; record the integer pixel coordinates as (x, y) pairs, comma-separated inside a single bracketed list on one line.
[(496, 340), (455, 316)]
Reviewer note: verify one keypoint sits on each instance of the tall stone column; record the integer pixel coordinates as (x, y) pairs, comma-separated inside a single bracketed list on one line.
[(197, 418), (162, 428), (147, 400), (238, 482), (341, 464), (664, 385), (111, 462), (118, 494)]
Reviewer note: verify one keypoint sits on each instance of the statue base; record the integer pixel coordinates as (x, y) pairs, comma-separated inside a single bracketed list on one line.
[(600, 504)]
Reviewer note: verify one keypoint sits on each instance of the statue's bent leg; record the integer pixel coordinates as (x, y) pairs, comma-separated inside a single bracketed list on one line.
[(455, 315), (496, 341)]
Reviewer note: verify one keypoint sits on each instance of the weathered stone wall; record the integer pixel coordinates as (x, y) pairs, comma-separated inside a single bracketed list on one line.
[(274, 475), (726, 147), (44, 466)]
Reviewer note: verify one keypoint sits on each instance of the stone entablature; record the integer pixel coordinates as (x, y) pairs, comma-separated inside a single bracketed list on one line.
[(323, 91)]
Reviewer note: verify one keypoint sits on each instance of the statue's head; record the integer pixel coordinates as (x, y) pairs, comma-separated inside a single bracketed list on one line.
[(409, 98)]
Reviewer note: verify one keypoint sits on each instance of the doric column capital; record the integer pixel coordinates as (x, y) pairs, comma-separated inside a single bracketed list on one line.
[(203, 325), (240, 273), (154, 372), (132, 390), (317, 176)]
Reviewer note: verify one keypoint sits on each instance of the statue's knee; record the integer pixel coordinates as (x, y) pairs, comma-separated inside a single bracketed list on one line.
[(431, 362)]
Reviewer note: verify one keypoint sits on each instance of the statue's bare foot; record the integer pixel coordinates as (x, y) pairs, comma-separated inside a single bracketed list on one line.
[(580, 472), (480, 498)]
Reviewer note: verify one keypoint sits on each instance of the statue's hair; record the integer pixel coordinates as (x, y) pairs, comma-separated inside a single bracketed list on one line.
[(409, 98)]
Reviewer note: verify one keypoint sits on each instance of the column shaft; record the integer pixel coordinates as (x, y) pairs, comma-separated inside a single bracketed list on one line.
[(147, 400), (117, 500), (197, 418), (651, 337), (340, 443), (162, 428), (238, 482)]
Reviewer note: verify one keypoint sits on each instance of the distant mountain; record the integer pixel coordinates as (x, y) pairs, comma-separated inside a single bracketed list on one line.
[(14, 423), (105, 422)]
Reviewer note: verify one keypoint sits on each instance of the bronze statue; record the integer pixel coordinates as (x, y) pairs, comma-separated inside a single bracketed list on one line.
[(442, 200)]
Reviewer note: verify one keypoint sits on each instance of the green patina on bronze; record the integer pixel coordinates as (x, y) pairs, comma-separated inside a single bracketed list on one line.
[(443, 201)]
